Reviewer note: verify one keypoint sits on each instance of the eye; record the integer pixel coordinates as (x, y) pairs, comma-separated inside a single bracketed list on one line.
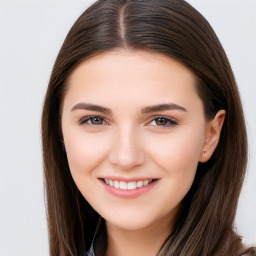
[(92, 120), (163, 122)]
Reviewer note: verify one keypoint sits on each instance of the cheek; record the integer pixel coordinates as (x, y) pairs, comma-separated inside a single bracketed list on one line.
[(178, 152), (177, 156), (85, 151)]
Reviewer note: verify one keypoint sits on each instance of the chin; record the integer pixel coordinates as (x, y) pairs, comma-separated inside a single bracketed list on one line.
[(134, 220), (130, 224)]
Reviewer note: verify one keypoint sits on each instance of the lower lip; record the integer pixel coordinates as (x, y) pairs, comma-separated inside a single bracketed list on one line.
[(129, 193)]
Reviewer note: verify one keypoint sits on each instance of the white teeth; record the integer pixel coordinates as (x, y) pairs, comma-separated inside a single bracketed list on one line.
[(116, 184), (123, 185), (111, 183), (132, 185), (139, 184), (127, 185), (145, 182)]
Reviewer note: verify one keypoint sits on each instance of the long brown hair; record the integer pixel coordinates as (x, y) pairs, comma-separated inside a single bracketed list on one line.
[(175, 29)]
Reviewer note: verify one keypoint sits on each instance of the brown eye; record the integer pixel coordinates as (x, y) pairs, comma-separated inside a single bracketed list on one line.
[(161, 121), (92, 120), (96, 120)]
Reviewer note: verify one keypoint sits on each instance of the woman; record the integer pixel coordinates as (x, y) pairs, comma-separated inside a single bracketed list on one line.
[(144, 138)]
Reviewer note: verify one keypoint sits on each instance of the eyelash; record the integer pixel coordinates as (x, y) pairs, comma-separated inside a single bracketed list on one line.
[(170, 122), (84, 121)]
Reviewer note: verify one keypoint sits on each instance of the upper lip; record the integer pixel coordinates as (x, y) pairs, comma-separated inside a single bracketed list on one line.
[(128, 179)]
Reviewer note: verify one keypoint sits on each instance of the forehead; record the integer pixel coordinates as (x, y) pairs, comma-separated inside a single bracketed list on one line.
[(130, 77)]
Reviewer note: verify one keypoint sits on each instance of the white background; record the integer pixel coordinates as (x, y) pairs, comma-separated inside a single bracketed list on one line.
[(31, 34)]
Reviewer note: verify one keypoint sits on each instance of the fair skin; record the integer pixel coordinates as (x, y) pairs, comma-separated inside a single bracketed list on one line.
[(130, 141)]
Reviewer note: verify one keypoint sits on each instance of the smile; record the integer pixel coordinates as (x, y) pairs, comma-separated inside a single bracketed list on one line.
[(127, 185), (129, 188)]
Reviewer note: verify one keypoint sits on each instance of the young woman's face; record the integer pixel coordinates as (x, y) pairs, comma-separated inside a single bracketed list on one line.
[(134, 129)]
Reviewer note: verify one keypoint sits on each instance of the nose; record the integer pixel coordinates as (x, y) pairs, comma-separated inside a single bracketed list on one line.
[(127, 151)]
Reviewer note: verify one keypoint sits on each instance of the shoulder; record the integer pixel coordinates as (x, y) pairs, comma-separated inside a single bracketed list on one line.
[(250, 252)]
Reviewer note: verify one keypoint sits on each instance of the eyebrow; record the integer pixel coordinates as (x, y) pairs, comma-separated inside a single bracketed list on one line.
[(92, 107), (162, 107), (145, 110)]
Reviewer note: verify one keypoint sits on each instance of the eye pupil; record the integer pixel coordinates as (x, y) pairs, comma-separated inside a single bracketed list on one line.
[(161, 121), (96, 120)]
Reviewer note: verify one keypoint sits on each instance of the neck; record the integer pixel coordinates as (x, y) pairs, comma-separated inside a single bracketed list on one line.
[(146, 241)]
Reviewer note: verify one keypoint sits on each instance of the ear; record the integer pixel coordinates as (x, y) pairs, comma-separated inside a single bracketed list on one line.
[(212, 136)]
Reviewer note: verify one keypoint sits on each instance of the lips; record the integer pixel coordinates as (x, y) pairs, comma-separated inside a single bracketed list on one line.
[(127, 185), (128, 188)]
